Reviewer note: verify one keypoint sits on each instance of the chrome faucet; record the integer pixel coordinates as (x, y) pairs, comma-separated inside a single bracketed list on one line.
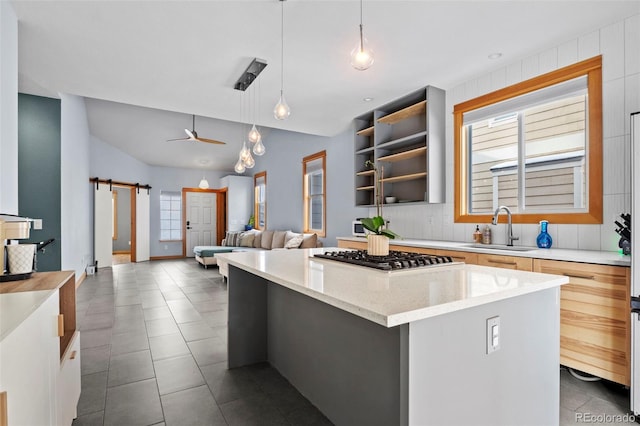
[(494, 221)]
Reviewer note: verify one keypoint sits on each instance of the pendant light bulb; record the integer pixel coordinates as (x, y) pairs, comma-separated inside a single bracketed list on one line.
[(204, 184), (239, 167), (244, 152), (254, 135), (249, 162), (259, 149), (282, 110), (362, 55)]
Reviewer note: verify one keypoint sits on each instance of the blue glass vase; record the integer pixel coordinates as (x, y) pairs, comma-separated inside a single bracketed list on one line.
[(544, 240)]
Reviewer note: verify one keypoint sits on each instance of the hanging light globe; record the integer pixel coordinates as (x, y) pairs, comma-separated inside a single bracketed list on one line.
[(254, 135), (239, 167), (259, 149), (244, 152), (249, 162), (281, 110), (204, 184), (362, 56)]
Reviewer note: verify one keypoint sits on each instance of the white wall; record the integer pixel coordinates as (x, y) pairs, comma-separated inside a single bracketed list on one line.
[(619, 44), (239, 200), (173, 179), (283, 163), (76, 201), (8, 109)]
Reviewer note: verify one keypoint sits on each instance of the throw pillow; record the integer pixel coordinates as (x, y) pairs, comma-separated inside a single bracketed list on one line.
[(294, 242), (232, 239), (257, 240), (267, 238), (246, 239), (309, 241), (289, 235), (278, 239)]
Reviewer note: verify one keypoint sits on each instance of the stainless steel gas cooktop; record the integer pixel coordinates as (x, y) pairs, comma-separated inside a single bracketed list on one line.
[(395, 260)]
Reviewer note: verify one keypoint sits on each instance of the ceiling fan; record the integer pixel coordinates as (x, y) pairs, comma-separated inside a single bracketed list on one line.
[(193, 135)]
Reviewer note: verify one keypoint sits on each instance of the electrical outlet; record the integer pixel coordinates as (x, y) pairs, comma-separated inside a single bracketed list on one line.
[(493, 334), (166, 247)]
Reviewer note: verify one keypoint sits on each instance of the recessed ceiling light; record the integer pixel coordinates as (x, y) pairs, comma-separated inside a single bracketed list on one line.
[(495, 55), (367, 99), (203, 161)]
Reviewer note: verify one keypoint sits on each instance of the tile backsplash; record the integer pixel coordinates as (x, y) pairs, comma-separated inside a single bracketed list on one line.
[(619, 45)]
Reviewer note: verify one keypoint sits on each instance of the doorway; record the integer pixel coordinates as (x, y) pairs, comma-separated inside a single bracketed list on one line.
[(121, 246), (205, 218)]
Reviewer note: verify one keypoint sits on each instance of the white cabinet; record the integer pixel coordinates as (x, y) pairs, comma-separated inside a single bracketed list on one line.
[(39, 350), (68, 383), (29, 363)]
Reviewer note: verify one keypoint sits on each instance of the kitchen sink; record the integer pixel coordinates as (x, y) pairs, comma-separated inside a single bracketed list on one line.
[(501, 247)]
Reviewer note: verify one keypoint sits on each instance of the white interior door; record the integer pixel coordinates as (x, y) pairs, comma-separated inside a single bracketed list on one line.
[(103, 225), (142, 226), (201, 220)]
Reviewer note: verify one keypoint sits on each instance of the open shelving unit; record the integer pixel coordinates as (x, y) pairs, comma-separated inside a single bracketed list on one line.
[(405, 138)]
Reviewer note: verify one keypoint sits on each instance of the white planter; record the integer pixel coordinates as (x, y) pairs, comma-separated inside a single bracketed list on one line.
[(20, 258), (377, 245)]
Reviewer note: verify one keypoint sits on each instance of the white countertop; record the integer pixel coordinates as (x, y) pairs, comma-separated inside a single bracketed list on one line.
[(584, 256), (16, 307), (389, 298)]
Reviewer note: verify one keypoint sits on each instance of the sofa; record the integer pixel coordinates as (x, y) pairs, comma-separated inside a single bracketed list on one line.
[(254, 240)]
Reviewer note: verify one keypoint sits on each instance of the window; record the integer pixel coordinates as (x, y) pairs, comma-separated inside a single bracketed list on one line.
[(314, 196), (535, 147), (170, 216), (260, 200)]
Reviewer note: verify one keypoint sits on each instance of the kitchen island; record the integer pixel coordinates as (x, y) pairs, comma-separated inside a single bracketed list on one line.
[(414, 347)]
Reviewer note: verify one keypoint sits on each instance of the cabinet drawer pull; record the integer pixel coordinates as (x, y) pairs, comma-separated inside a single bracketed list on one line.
[(501, 262), (60, 325), (584, 277), (73, 355)]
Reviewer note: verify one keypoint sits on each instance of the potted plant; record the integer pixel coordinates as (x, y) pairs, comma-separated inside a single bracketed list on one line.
[(378, 240), (249, 226)]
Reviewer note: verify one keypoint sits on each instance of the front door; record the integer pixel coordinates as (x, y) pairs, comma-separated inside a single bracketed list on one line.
[(201, 220)]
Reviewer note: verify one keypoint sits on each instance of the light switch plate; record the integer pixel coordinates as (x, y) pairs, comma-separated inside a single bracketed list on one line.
[(493, 334)]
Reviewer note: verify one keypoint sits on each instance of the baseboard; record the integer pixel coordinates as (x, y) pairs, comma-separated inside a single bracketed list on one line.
[(166, 257), (81, 279)]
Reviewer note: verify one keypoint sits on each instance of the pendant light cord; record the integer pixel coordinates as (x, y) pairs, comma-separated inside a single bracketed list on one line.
[(281, 46), (361, 38)]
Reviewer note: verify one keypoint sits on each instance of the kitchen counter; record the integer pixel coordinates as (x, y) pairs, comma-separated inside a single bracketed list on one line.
[(406, 347), (390, 298), (569, 255), (19, 299)]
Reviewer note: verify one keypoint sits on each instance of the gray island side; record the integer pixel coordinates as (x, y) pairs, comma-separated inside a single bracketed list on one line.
[(401, 348)]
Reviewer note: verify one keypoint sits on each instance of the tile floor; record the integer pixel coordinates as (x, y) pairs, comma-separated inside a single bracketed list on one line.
[(153, 339), (153, 351)]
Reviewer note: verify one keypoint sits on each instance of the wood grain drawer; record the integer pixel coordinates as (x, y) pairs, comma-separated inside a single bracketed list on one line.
[(460, 256), (506, 262), (356, 245), (594, 318)]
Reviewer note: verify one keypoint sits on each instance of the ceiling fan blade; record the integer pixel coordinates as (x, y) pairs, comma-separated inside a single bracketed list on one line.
[(211, 141), (189, 133), (177, 139)]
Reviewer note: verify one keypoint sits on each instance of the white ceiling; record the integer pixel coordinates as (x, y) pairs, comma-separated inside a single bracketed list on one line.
[(148, 65)]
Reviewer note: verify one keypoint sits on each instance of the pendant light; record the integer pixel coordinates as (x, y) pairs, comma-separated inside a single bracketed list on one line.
[(281, 110), (254, 135), (204, 184), (362, 55), (258, 147), (239, 167)]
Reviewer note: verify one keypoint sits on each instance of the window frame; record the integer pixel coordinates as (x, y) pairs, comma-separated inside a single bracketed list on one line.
[(182, 234), (322, 155), (592, 69), (256, 203)]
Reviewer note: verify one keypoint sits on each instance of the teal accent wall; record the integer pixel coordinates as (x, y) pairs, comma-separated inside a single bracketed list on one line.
[(39, 171)]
